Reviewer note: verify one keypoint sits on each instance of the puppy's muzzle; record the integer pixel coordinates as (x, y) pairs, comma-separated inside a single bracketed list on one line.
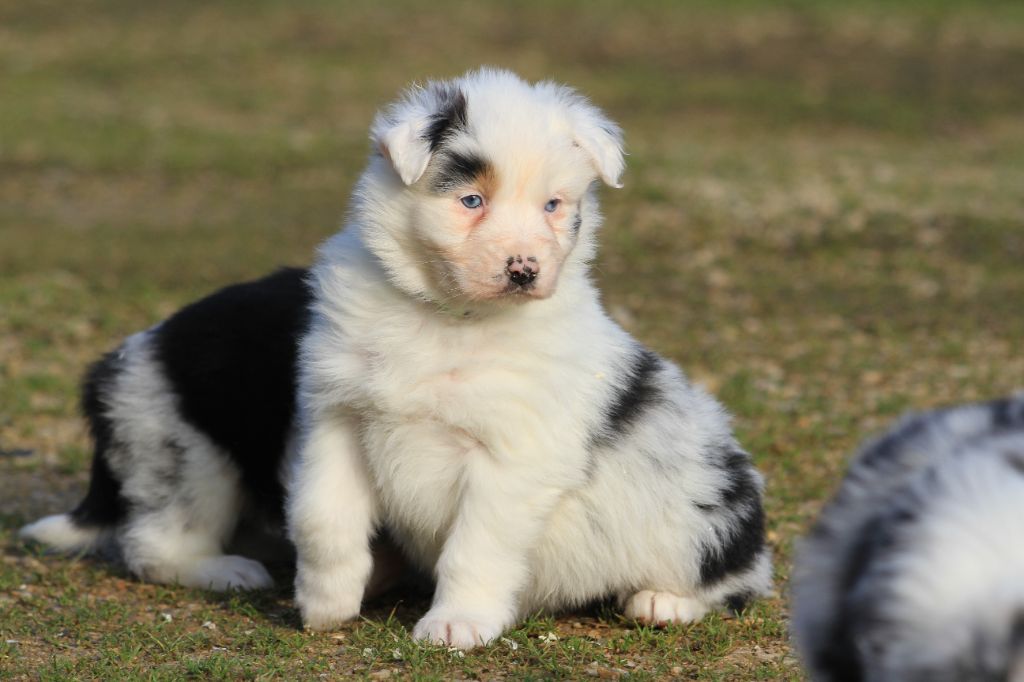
[(522, 271)]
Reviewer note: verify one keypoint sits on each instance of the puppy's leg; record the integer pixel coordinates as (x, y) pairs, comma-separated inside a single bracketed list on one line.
[(159, 547), (177, 529), (484, 563), (661, 608), (330, 519)]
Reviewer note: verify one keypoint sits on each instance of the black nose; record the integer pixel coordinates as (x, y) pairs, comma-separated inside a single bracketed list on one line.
[(522, 271)]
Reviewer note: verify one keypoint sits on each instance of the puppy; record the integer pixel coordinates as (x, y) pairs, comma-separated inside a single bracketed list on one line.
[(190, 420), (915, 571), (461, 386), (444, 373)]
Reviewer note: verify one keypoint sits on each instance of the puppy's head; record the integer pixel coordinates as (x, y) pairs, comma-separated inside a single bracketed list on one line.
[(482, 189)]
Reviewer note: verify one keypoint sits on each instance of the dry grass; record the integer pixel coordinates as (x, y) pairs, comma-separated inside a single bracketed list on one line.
[(823, 222)]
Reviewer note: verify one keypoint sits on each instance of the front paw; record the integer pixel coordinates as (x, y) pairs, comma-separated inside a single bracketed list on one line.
[(440, 626), (326, 600)]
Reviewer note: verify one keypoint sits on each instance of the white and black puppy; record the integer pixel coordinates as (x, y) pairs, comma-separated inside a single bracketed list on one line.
[(458, 385), (915, 572), (461, 386), (190, 421)]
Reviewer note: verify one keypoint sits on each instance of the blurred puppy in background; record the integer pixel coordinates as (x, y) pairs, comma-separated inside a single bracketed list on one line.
[(915, 571)]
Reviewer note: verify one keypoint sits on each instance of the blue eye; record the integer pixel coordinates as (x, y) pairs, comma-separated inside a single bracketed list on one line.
[(472, 201), (552, 205)]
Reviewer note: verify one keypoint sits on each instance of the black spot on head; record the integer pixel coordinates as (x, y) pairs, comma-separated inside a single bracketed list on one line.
[(449, 119), (103, 504), (637, 393), (577, 222), (231, 359), (457, 170)]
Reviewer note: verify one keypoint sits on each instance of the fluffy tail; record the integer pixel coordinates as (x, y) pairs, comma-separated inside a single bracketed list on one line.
[(62, 533), (85, 528)]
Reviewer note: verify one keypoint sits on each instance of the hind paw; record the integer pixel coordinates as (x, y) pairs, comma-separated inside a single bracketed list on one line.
[(661, 608), (227, 572)]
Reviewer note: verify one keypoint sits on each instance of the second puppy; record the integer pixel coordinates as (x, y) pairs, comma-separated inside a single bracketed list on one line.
[(913, 573)]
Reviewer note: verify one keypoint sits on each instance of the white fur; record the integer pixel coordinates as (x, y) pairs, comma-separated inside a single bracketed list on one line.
[(60, 533), (463, 419)]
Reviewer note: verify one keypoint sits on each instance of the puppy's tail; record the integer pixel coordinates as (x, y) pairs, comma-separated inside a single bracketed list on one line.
[(87, 527), (62, 533)]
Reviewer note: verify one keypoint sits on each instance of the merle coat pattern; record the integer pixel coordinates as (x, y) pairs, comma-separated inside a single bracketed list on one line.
[(914, 570)]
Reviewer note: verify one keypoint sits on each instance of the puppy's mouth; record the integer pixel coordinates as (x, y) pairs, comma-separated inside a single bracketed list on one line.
[(511, 293), (501, 288), (519, 290)]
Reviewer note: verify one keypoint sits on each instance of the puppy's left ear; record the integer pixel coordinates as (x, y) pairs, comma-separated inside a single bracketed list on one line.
[(601, 139), (412, 129)]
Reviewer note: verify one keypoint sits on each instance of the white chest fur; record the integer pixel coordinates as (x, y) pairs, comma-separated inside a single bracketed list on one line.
[(437, 396)]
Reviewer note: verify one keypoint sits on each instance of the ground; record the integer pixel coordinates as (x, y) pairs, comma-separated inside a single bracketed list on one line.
[(823, 223)]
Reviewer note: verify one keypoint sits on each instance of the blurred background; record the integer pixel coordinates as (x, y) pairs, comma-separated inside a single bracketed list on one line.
[(822, 219)]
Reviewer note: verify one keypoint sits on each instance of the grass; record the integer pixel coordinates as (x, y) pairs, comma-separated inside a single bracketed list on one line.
[(823, 222)]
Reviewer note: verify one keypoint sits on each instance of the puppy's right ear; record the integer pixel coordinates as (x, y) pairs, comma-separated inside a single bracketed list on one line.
[(412, 129), (403, 145)]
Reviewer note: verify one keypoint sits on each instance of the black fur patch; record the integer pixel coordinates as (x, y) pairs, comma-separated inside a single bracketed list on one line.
[(231, 360), (738, 550), (877, 537), (457, 170), (577, 222), (840, 656), (1017, 632), (169, 473), (737, 602), (1007, 413), (638, 392), (741, 500), (450, 118), (103, 504), (890, 447)]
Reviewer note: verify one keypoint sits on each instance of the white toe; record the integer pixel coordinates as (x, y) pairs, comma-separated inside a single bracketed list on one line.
[(327, 599), (661, 608), (226, 573), (455, 631)]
